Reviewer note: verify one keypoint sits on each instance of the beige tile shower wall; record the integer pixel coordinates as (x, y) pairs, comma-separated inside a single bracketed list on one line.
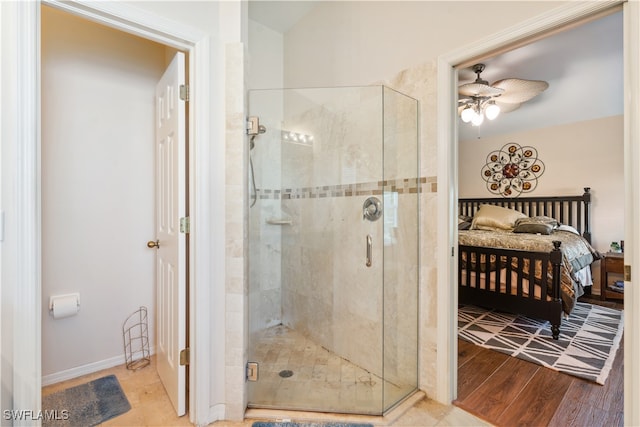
[(346, 124), (236, 270), (401, 239), (400, 135), (401, 292), (329, 294), (420, 82), (265, 306), (264, 266)]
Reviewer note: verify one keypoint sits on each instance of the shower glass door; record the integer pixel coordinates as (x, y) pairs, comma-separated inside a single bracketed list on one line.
[(333, 284)]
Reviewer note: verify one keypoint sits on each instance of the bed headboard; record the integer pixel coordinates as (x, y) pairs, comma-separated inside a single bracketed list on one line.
[(571, 210)]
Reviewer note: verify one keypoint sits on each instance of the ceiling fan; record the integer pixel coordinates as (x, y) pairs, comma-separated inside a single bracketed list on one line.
[(480, 99)]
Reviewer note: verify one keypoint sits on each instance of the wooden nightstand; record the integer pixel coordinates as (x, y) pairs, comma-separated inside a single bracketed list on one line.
[(611, 263)]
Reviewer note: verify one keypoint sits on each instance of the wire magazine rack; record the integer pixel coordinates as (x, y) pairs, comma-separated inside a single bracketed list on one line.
[(135, 333)]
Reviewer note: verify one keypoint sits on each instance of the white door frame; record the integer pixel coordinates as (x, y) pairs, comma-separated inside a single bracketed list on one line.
[(447, 137), (24, 27)]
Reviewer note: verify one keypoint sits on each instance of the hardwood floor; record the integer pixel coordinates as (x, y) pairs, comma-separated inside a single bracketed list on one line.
[(506, 391)]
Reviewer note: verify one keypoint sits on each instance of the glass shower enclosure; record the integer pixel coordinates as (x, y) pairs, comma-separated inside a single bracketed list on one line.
[(333, 249)]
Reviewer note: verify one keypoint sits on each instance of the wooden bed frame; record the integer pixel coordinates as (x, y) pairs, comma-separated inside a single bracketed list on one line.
[(571, 210)]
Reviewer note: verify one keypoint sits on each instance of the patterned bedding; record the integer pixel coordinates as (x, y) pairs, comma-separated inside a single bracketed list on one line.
[(577, 254)]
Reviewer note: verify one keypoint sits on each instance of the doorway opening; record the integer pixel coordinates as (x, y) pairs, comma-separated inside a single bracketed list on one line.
[(98, 180), (484, 141)]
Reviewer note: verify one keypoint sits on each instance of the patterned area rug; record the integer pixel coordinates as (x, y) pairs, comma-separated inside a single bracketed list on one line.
[(87, 404), (588, 342)]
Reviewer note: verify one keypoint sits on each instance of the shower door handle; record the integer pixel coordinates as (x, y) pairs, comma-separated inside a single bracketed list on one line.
[(369, 250)]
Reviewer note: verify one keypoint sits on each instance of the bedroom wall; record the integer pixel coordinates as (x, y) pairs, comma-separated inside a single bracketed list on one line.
[(97, 188), (577, 155)]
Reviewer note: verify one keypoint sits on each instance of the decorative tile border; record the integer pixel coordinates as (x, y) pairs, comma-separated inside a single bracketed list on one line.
[(400, 186)]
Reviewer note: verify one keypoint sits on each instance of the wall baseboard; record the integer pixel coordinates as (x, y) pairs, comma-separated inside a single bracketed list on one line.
[(89, 368)]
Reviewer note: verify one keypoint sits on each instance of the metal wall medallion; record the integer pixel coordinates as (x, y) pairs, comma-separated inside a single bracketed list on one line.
[(512, 170)]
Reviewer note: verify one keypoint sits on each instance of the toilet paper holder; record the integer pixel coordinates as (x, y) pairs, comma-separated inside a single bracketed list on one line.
[(61, 306)]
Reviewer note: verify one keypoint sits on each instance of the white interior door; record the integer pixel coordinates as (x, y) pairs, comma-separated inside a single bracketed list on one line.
[(170, 241)]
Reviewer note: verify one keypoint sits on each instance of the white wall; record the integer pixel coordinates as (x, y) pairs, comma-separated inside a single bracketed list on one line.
[(97, 187), (577, 155), (343, 43), (265, 59)]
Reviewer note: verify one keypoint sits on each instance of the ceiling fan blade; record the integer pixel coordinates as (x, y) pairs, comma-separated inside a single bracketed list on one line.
[(478, 89), (519, 90), (507, 107)]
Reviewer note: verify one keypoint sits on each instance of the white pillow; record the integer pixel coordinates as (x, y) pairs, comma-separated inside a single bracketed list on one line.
[(491, 217), (570, 229)]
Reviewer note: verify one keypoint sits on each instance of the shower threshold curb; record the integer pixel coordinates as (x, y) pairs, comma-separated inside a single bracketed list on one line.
[(258, 414)]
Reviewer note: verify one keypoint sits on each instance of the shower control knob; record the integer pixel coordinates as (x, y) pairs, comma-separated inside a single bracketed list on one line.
[(372, 209)]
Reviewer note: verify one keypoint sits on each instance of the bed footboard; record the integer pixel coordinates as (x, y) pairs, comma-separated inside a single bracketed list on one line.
[(514, 281)]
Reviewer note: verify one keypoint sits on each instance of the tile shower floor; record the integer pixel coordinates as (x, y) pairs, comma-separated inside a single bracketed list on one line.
[(296, 373)]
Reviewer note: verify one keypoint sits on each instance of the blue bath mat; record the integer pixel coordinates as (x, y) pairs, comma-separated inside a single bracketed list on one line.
[(290, 424), (85, 405)]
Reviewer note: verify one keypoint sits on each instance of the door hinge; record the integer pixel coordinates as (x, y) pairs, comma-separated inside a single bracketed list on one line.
[(627, 273), (184, 92), (252, 371), (184, 357), (185, 225)]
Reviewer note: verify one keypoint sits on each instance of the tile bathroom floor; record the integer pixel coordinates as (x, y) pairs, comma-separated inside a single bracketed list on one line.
[(150, 406)]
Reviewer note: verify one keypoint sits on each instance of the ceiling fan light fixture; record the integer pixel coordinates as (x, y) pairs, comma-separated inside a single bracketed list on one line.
[(479, 99), (492, 110), (467, 114), (477, 119)]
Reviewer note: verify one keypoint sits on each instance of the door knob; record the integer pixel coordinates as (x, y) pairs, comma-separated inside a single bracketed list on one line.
[(152, 244)]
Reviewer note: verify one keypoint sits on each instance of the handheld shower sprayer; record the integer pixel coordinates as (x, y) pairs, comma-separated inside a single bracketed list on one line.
[(261, 129), (254, 128)]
